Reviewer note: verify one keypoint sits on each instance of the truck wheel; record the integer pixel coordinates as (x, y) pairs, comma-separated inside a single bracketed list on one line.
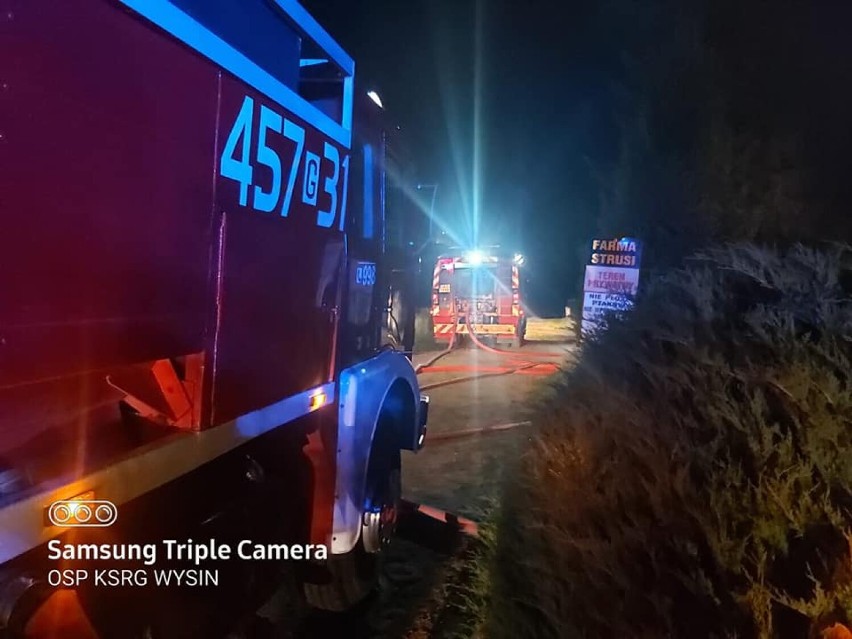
[(353, 576)]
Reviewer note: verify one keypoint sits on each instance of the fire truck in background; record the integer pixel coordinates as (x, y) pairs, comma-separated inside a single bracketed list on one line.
[(479, 290), (193, 306)]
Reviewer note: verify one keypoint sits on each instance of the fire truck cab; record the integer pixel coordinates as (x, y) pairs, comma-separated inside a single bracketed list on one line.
[(479, 291)]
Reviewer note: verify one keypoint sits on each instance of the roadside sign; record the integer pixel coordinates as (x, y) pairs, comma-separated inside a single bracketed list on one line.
[(611, 280)]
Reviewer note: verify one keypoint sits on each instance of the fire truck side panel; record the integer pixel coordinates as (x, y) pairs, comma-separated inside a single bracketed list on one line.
[(22, 523), (107, 154), (277, 301), (277, 509), (166, 196), (127, 242)]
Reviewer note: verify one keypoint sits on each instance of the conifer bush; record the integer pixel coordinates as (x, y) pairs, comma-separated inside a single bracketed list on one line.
[(692, 475)]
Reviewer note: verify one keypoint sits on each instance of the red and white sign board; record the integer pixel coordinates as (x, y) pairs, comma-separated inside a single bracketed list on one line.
[(611, 279), (609, 289)]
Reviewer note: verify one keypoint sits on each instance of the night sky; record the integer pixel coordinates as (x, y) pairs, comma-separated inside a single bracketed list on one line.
[(533, 93), (430, 60)]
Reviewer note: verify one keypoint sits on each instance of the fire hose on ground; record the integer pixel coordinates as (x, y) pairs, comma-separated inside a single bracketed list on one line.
[(516, 366), (519, 363), (446, 351)]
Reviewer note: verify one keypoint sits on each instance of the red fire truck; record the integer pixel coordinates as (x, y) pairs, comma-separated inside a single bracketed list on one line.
[(479, 290), (192, 316)]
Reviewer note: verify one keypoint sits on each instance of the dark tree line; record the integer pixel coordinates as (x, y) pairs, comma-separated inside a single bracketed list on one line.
[(733, 123), (682, 122)]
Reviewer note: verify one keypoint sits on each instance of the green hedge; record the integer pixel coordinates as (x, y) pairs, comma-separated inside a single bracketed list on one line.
[(692, 476)]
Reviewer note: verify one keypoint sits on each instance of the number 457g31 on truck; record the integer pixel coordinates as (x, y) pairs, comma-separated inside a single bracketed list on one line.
[(193, 297)]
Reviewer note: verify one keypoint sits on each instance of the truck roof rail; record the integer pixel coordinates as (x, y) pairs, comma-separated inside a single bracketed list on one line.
[(200, 26)]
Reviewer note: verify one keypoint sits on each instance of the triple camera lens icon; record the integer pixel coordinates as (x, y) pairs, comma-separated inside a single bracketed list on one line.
[(84, 513)]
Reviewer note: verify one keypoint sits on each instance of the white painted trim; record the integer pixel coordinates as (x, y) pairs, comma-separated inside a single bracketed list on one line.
[(192, 33), (22, 524), (363, 390)]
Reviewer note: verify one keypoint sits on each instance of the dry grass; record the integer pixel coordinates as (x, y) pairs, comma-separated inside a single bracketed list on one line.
[(692, 476)]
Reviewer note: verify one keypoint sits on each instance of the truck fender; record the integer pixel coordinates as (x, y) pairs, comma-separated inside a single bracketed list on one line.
[(384, 382)]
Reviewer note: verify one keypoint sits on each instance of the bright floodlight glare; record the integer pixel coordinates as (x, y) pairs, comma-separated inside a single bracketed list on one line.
[(375, 98), (475, 257)]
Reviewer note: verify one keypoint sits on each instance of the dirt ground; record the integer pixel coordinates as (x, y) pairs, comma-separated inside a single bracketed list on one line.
[(462, 475), (458, 472)]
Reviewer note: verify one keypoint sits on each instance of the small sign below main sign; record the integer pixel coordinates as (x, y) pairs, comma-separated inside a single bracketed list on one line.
[(611, 281)]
